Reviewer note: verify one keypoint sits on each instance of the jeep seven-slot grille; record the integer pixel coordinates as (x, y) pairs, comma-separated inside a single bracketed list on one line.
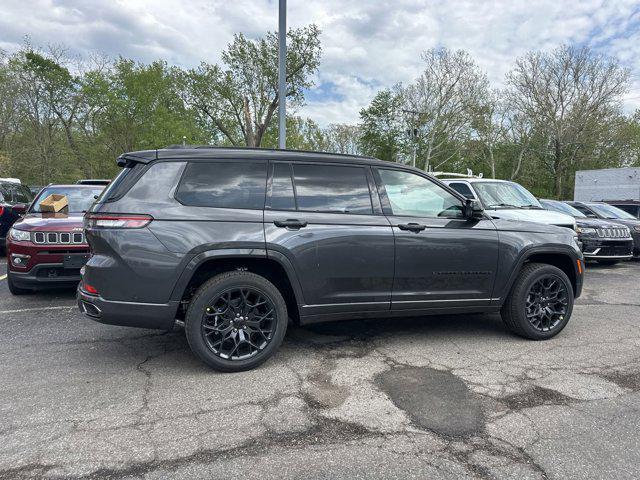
[(58, 238), (613, 232)]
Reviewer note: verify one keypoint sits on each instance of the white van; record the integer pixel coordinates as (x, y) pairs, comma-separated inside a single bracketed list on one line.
[(508, 200)]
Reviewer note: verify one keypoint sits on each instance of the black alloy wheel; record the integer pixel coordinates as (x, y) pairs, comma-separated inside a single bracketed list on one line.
[(547, 302), (239, 323), (236, 321), (540, 302)]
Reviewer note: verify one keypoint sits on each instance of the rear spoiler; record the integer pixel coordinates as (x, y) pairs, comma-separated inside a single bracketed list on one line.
[(144, 157)]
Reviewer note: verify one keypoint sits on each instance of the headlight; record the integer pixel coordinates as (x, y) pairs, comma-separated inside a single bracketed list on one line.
[(586, 231), (19, 235), (637, 228)]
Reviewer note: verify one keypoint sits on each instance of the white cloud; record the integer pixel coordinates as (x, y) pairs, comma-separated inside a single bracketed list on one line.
[(366, 43)]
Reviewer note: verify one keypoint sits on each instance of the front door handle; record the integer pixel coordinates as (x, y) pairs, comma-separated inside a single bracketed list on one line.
[(291, 223), (412, 227)]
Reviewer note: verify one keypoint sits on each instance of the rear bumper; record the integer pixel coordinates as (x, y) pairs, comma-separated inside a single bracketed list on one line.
[(45, 275), (127, 314)]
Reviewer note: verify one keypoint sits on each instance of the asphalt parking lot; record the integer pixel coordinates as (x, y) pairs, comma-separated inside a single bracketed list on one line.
[(438, 397)]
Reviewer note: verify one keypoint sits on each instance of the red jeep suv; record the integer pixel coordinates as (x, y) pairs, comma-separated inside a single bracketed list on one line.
[(47, 249)]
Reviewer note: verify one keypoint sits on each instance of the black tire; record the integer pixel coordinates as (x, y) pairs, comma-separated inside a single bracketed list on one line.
[(608, 262), (514, 312), (14, 289), (213, 290)]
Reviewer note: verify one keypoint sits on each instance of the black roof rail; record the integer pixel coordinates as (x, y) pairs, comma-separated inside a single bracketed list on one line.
[(262, 149)]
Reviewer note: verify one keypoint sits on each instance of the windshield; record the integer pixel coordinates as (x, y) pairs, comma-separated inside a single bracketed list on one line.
[(562, 208), (609, 211), (79, 198), (505, 194)]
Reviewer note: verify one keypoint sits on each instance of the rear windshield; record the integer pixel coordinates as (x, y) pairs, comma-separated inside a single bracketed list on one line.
[(79, 198)]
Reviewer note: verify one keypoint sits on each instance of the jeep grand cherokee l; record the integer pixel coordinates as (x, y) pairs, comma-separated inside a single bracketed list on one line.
[(233, 242)]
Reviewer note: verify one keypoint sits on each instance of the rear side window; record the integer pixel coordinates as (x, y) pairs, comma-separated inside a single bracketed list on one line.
[(235, 184), (331, 188)]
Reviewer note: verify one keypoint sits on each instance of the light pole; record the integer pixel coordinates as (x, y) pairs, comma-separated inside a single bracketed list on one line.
[(282, 80)]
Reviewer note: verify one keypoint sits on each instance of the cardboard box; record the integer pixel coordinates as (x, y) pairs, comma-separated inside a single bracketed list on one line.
[(54, 203)]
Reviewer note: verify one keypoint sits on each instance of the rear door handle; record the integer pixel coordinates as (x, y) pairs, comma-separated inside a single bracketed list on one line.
[(412, 227), (292, 223)]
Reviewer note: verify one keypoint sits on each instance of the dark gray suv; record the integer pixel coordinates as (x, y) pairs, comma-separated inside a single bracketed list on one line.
[(234, 242)]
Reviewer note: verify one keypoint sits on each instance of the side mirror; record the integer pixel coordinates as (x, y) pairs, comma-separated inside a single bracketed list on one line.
[(472, 209), (19, 208)]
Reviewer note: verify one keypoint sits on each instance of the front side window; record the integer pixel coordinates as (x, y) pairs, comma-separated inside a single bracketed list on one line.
[(235, 184), (332, 189), (79, 199), (413, 195)]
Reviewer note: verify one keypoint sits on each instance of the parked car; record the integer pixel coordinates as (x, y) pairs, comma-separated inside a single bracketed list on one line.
[(632, 207), (508, 200), (47, 249), (609, 212), (602, 240), (233, 242), (14, 200)]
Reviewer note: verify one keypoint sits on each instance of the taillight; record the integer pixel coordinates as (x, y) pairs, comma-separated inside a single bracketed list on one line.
[(1, 210), (89, 289), (116, 220)]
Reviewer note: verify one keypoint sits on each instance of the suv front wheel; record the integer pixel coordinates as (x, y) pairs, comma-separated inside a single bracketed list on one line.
[(540, 303), (236, 321)]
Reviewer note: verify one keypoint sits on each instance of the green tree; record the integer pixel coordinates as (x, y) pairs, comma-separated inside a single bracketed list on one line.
[(381, 127), (570, 95), (239, 98), (137, 107)]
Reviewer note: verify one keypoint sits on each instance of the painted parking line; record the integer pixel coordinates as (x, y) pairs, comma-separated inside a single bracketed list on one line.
[(38, 309)]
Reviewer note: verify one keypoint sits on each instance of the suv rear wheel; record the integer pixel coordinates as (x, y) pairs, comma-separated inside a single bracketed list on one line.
[(236, 321), (540, 302)]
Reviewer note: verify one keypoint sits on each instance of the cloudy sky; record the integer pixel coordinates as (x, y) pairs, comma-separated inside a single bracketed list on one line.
[(367, 44)]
